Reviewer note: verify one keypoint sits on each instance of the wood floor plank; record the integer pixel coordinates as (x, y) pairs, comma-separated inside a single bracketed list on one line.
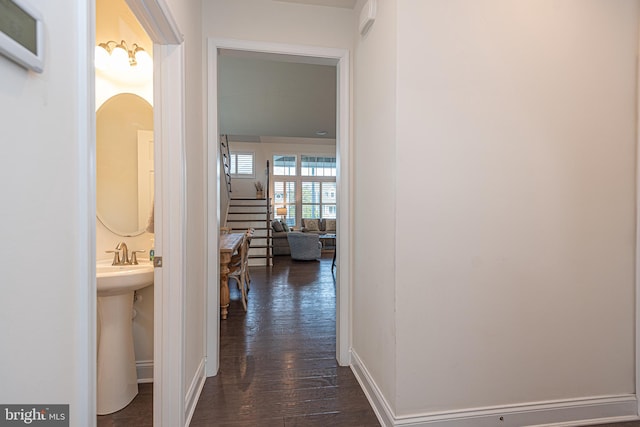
[(138, 413), (351, 419)]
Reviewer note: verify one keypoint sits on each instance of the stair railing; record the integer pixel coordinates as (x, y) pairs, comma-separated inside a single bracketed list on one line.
[(269, 234), (225, 156)]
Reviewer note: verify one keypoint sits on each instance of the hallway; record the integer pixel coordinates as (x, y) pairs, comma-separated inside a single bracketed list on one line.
[(277, 361)]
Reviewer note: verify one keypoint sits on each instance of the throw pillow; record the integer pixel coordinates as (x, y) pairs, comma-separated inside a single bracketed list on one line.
[(285, 226), (330, 225), (277, 226), (312, 224)]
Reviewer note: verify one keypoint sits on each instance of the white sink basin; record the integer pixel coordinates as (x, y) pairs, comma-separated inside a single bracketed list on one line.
[(116, 364), (120, 279)]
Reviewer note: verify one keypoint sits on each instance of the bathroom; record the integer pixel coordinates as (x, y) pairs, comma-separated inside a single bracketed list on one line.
[(124, 178)]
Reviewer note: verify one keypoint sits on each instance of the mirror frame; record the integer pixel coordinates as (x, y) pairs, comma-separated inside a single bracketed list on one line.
[(100, 215)]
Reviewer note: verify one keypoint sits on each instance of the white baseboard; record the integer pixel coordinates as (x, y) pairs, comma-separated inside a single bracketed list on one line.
[(379, 404), (565, 413), (144, 370), (193, 394)]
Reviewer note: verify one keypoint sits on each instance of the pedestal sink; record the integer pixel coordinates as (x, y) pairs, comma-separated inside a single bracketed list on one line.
[(117, 379)]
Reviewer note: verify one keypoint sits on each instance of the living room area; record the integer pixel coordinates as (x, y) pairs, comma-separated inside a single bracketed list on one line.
[(277, 119), (297, 210)]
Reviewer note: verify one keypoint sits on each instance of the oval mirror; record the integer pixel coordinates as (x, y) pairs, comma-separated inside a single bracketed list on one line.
[(124, 164)]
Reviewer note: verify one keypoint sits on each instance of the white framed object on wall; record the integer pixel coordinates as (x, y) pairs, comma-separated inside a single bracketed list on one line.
[(21, 34), (367, 16)]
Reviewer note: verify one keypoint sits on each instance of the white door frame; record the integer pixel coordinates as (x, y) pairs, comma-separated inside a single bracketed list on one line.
[(170, 228), (340, 58)]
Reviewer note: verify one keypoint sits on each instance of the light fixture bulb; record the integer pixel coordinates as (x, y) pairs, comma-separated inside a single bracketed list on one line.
[(134, 65), (119, 58), (101, 57), (143, 59)]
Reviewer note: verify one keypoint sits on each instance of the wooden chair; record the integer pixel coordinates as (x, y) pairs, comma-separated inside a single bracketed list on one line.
[(225, 230), (249, 236)]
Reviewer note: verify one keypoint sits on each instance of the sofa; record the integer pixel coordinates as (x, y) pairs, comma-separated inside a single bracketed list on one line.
[(280, 243), (304, 246), (280, 230), (318, 226)]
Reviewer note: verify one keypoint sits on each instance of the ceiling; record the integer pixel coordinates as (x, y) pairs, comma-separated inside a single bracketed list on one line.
[(261, 96), (347, 4)]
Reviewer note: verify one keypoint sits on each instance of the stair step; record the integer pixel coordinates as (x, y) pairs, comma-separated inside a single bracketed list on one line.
[(257, 234), (248, 202), (247, 224), (246, 217), (246, 210)]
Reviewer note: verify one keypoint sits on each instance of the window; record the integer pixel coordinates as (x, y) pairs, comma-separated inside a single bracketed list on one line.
[(318, 200), (310, 200), (284, 165), (285, 196), (242, 165), (317, 166), (329, 200), (306, 185)]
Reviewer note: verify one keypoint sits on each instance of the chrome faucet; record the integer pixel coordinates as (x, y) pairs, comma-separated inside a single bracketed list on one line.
[(124, 260), (125, 252)]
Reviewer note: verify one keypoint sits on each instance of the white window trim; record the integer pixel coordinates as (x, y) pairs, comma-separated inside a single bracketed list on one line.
[(299, 162), (253, 164), (273, 165), (298, 179)]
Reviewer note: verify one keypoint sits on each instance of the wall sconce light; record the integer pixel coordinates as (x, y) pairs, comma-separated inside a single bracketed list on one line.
[(118, 55)]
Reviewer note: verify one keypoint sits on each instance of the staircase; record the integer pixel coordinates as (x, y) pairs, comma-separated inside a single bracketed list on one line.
[(246, 213)]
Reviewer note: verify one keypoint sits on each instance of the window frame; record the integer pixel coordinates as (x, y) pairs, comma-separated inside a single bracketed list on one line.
[(296, 161), (335, 165), (234, 155), (298, 179), (320, 204)]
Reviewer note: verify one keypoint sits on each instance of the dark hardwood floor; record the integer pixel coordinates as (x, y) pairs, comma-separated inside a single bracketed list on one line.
[(138, 413), (277, 361)]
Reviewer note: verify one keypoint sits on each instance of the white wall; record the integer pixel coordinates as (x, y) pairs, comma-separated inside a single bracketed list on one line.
[(374, 172), (187, 16), (515, 248), (267, 20), (48, 281)]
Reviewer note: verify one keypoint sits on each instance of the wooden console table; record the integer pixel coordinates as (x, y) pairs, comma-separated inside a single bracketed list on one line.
[(229, 244)]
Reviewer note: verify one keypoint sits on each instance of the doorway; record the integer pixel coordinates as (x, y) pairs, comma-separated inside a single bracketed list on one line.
[(124, 204), (168, 118), (340, 59)]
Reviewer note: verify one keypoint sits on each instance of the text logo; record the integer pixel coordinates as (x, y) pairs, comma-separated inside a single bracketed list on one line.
[(34, 415)]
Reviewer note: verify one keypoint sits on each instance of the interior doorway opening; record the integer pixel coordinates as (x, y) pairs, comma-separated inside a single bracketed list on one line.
[(300, 54), (124, 206)]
